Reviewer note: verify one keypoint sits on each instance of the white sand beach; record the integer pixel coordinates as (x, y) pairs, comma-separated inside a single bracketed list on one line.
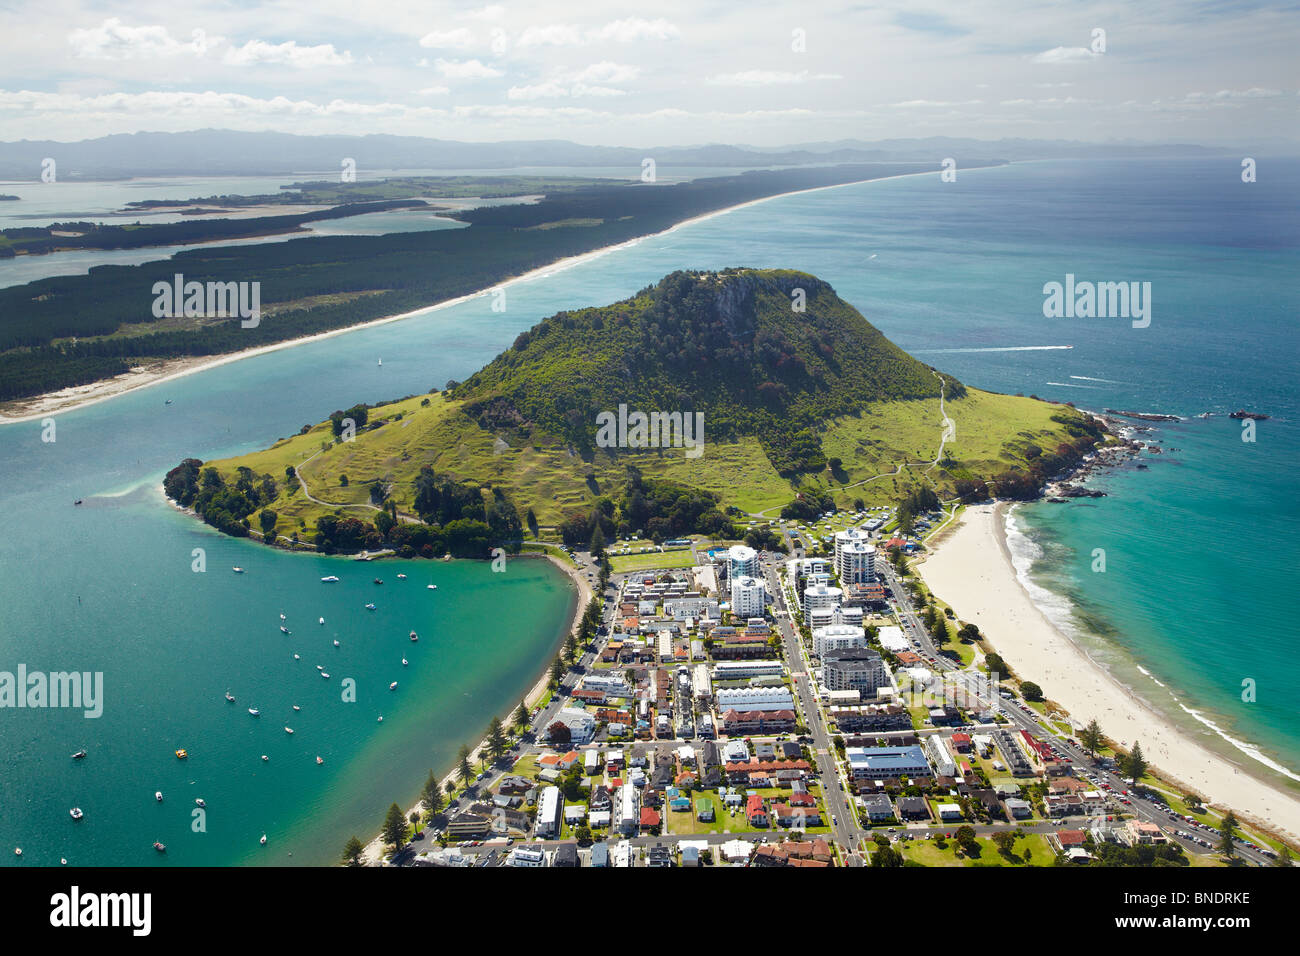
[(971, 569)]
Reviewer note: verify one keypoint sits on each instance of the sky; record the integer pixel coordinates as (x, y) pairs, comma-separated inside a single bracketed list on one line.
[(673, 72)]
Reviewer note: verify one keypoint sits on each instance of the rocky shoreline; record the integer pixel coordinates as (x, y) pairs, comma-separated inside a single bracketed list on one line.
[(1125, 447)]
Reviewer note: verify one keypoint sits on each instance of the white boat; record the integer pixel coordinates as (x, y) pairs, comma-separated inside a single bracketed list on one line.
[(322, 621), (432, 587), (282, 617), (255, 712), (288, 730), (336, 643), (238, 570), (330, 579), (283, 629), (381, 718), (381, 363), (393, 686), (401, 577), (200, 802), (263, 840), (414, 636), (265, 757), (296, 707), (157, 795), (404, 662), (296, 657), (76, 813), (319, 668), (370, 607), (230, 697), (319, 761), (324, 675)]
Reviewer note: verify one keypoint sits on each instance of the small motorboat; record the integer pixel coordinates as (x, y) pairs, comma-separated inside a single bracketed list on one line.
[(330, 579), (77, 502), (414, 636), (296, 707), (230, 698), (336, 643), (76, 813), (379, 580), (319, 668), (168, 402), (265, 757), (319, 761), (393, 686), (283, 618), (18, 851), (296, 657), (381, 364), (322, 622), (381, 718), (288, 730), (182, 754), (324, 675), (157, 795), (263, 840), (159, 847), (200, 802), (401, 577), (238, 570), (370, 607), (432, 587), (283, 629), (255, 712), (79, 755), (405, 662)]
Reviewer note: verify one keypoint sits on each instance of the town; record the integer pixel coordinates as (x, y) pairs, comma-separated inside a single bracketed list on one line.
[(722, 704)]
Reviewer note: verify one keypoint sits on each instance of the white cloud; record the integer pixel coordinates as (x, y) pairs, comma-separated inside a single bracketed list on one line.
[(768, 78), (433, 91), (465, 69), (616, 31), (1065, 54), (288, 53), (458, 39), (111, 40), (607, 72)]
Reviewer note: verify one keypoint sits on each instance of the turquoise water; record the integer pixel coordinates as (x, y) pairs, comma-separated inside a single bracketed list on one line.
[(1200, 547)]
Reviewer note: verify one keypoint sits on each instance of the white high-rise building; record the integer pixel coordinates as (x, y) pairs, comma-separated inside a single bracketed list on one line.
[(748, 597), (837, 637), (855, 557), (742, 561), (820, 595)]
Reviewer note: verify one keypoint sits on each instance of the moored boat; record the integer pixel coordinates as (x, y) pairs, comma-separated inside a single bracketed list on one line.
[(76, 813), (319, 761), (263, 840), (288, 730), (157, 795), (159, 847), (200, 802), (238, 570), (182, 754), (414, 636), (230, 698), (79, 755), (330, 578), (255, 712), (370, 607), (393, 686)]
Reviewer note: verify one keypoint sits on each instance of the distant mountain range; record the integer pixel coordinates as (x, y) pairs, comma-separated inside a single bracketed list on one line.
[(213, 152)]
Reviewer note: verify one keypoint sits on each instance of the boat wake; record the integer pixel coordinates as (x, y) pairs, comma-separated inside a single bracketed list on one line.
[(999, 348)]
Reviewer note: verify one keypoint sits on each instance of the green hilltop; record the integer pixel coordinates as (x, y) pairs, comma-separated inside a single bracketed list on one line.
[(804, 404)]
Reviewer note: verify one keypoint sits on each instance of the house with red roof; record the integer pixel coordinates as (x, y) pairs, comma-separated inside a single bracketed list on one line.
[(649, 818), (755, 812)]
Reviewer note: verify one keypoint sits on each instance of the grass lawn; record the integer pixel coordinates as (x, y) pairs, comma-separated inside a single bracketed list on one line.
[(657, 560), (927, 854)]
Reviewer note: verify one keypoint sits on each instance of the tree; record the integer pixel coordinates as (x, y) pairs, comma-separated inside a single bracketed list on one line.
[(1192, 800), (464, 770), (267, 520), (583, 834), (496, 738), (395, 827), (557, 670), (886, 856), (521, 715), (352, 852), (1031, 691), (966, 837), (1005, 841), (431, 795), (559, 733), (939, 631), (1134, 765), (1227, 835), (1284, 857), (415, 820), (1090, 736)]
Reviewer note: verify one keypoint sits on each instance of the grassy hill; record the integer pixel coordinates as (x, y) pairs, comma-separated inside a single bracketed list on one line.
[(814, 402)]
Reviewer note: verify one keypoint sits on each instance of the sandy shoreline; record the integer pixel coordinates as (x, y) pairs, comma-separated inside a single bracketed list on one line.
[(971, 569), (375, 850), (81, 396)]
